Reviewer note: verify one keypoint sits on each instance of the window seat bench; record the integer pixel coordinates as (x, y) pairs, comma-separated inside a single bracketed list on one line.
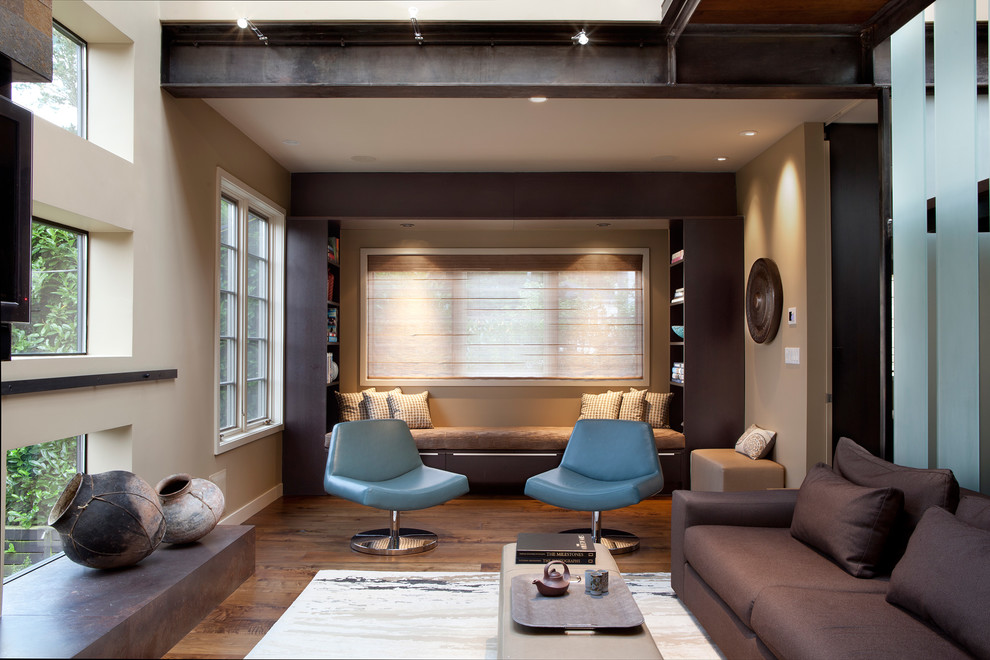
[(501, 458)]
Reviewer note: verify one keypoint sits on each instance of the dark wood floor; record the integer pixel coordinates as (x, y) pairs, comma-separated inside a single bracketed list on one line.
[(298, 536)]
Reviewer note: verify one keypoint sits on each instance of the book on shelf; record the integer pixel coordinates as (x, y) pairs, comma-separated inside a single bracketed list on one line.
[(534, 548), (333, 249), (677, 257), (330, 280)]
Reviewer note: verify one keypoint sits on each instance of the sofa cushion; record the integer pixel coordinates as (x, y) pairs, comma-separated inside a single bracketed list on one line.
[(815, 624), (849, 523), (756, 442), (601, 406), (632, 405), (413, 409), (740, 562), (922, 488), (352, 406), (974, 510), (944, 578), (656, 409)]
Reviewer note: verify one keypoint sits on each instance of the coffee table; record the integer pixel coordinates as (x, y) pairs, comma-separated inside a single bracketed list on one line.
[(516, 641)]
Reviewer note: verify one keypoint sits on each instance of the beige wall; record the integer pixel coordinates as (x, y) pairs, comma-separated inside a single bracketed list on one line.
[(504, 405), (782, 195), (153, 216)]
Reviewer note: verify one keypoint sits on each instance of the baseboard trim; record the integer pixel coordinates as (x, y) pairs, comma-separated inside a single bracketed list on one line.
[(254, 506)]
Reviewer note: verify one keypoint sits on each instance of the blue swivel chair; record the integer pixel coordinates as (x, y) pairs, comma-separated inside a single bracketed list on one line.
[(607, 464), (375, 463)]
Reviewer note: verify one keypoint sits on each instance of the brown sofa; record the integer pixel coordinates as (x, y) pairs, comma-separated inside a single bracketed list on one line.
[(867, 560)]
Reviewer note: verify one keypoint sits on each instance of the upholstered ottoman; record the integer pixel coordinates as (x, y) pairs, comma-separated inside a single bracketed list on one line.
[(728, 470)]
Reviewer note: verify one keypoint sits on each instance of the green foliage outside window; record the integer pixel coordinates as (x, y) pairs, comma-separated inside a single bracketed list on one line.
[(61, 100), (57, 322), (36, 476)]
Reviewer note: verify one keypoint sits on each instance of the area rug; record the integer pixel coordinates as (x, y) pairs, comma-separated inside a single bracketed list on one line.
[(383, 614)]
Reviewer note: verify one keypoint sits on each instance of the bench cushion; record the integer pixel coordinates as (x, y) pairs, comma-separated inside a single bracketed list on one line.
[(738, 563), (517, 438)]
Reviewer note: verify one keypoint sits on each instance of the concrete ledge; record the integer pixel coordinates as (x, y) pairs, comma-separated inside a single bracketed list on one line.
[(64, 610)]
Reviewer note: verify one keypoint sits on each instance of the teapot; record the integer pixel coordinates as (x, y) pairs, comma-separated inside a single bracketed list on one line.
[(554, 583)]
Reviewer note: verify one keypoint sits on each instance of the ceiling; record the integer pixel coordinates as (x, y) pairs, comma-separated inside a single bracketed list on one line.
[(563, 134), (517, 135)]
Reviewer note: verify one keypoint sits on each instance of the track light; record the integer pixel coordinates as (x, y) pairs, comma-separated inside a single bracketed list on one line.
[(245, 23), (581, 37)]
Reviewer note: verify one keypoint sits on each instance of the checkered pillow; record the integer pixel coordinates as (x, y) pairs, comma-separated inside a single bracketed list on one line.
[(633, 405), (411, 408), (377, 404), (657, 409), (351, 405), (601, 406)]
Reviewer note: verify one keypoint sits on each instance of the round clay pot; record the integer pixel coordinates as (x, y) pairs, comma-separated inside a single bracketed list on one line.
[(108, 520), (192, 507)]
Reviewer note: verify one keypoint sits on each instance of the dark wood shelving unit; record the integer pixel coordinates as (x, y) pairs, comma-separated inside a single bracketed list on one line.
[(708, 407)]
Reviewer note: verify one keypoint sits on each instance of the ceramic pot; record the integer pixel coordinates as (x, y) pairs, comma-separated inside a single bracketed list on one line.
[(108, 520), (554, 583), (192, 507)]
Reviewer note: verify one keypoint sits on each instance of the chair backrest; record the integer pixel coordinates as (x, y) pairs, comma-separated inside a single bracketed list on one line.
[(372, 450), (611, 449)]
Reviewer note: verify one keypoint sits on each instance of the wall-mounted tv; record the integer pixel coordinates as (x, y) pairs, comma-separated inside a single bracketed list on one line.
[(15, 211)]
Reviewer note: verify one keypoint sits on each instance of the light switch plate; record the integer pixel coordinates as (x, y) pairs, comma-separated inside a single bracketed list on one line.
[(792, 355), (792, 316)]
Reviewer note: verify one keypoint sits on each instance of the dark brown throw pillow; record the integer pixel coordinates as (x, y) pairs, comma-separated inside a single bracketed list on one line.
[(846, 522), (944, 578), (974, 510), (922, 488)]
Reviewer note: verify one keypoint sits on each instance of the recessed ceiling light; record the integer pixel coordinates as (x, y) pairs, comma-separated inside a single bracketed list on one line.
[(538, 99), (582, 38), (363, 159), (747, 133), (242, 22), (290, 142), (604, 224), (721, 159), (407, 225)]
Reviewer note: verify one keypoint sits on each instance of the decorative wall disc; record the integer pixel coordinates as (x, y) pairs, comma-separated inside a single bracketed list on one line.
[(764, 300)]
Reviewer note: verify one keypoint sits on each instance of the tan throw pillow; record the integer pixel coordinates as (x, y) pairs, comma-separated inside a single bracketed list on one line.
[(756, 442), (656, 409), (411, 408), (601, 406), (377, 404), (633, 404), (351, 405)]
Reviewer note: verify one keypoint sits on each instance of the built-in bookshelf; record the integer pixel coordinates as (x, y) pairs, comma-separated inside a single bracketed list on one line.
[(333, 327), (677, 298)]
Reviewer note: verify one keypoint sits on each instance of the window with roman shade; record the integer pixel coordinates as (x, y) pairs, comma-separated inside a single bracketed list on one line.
[(542, 316)]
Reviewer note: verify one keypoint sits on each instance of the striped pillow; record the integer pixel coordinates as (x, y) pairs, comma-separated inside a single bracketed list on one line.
[(601, 406), (411, 408), (657, 409), (351, 405), (633, 405), (377, 404)]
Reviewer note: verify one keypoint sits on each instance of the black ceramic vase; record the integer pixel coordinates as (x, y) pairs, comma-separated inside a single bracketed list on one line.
[(192, 507), (108, 520)]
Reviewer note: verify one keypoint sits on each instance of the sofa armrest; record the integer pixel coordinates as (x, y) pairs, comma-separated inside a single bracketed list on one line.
[(757, 508)]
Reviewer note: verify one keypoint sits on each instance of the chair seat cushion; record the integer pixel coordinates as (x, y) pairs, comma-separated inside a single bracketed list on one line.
[(420, 488), (570, 490)]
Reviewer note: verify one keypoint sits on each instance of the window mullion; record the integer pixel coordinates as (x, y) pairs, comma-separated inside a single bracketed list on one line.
[(242, 313)]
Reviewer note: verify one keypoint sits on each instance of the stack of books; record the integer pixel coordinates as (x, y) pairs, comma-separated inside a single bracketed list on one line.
[(333, 249), (331, 325), (678, 295), (677, 257), (544, 548), (677, 372)]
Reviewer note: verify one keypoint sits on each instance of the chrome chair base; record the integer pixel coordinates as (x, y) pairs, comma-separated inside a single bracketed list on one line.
[(617, 541), (409, 541)]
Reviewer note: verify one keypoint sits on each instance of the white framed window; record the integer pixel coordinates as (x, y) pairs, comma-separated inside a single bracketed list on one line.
[(63, 100), (491, 316), (249, 314)]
